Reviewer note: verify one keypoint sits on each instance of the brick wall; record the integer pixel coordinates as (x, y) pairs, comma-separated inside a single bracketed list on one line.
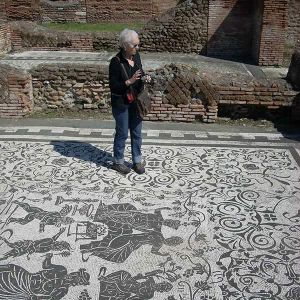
[(230, 28), (28, 35), (267, 94), (273, 32), (85, 10), (106, 10), (2, 12), (63, 11), (293, 31), (5, 38), (16, 99), (257, 24), (238, 29), (181, 29), (23, 9), (179, 93), (162, 6), (64, 85)]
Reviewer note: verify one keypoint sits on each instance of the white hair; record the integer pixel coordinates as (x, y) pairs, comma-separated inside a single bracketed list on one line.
[(126, 37)]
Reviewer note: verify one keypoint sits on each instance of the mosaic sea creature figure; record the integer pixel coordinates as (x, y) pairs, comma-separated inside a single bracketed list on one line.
[(121, 285), (127, 215), (51, 283), (56, 218), (39, 246), (121, 242)]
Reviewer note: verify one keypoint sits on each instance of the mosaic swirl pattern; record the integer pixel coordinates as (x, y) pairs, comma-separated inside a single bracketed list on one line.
[(204, 223)]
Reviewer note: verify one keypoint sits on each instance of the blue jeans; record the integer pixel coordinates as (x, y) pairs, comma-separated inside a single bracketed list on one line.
[(127, 118)]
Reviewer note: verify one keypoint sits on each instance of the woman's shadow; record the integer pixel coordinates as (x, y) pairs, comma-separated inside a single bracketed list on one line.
[(83, 151)]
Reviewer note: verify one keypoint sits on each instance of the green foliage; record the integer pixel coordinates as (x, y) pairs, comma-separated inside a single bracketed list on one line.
[(93, 27)]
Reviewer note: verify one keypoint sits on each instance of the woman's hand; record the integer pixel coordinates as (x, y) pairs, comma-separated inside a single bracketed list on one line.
[(136, 76)]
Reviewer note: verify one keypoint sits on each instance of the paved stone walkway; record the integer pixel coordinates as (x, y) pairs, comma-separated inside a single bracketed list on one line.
[(216, 216), (28, 59)]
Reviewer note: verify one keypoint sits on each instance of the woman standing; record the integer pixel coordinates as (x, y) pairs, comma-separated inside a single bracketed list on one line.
[(125, 83)]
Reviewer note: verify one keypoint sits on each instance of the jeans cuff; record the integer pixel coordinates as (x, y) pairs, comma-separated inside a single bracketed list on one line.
[(119, 161), (137, 159)]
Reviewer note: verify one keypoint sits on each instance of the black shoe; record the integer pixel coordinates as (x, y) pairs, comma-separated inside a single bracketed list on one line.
[(121, 168), (139, 168)]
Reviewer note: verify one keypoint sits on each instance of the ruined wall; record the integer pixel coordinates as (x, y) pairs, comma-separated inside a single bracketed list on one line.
[(273, 32), (5, 38), (125, 10), (2, 12), (5, 43), (230, 28), (162, 6), (181, 29), (67, 86), (63, 11), (27, 35), (16, 99), (91, 11), (23, 9), (178, 92), (257, 24), (105, 10), (293, 30)]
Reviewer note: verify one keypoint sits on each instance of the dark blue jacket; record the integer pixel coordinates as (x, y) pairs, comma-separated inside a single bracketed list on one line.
[(117, 78)]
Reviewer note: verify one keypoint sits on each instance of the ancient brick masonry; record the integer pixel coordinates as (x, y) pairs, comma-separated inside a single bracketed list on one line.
[(181, 29), (5, 38), (223, 28), (273, 30), (230, 28), (63, 11), (162, 6), (293, 32), (125, 10), (234, 29), (3, 17), (22, 9), (85, 10), (105, 10), (184, 96), (16, 99), (28, 35), (67, 86), (179, 93)]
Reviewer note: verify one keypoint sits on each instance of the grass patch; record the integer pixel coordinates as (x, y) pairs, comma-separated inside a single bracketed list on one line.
[(93, 27)]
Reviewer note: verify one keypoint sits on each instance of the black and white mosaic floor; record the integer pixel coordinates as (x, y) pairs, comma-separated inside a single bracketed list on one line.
[(206, 222)]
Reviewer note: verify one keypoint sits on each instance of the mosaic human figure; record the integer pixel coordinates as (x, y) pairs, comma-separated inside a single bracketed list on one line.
[(39, 246), (121, 285), (120, 242), (127, 215), (56, 218), (51, 283)]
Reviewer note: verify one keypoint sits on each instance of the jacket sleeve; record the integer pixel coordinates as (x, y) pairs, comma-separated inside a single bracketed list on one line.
[(140, 84), (139, 62), (116, 82)]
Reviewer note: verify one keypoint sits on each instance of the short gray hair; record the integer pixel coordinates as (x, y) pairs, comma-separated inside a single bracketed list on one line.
[(126, 37)]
